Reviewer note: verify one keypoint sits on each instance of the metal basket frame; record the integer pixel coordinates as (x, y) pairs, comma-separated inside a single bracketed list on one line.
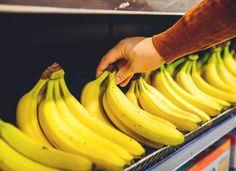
[(154, 156)]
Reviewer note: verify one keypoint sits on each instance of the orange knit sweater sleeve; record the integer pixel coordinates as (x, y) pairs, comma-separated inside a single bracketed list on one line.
[(210, 22)]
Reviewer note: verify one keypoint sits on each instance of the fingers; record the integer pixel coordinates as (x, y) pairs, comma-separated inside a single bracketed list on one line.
[(123, 73), (110, 57), (124, 83)]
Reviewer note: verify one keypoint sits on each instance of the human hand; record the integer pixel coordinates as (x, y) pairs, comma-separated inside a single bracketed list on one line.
[(132, 55)]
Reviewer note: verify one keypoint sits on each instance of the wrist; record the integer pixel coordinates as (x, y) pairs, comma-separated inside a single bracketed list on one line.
[(160, 59)]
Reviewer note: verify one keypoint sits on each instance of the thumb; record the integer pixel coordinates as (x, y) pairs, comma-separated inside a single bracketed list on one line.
[(122, 74)]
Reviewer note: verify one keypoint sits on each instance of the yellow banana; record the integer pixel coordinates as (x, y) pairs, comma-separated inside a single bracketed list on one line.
[(184, 80), (84, 132), (223, 72), (205, 107), (209, 89), (147, 76), (135, 119), (189, 85), (135, 100), (212, 77), (61, 136), (152, 104), (40, 153), (98, 126), (91, 98), (171, 68), (12, 160), (229, 60), (130, 94), (160, 82), (126, 130), (168, 103), (26, 113)]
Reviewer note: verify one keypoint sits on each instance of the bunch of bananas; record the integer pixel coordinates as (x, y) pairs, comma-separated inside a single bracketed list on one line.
[(159, 105), (20, 152), (189, 91), (107, 102), (106, 130), (52, 116)]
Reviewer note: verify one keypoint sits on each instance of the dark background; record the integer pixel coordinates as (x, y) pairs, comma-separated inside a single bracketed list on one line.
[(31, 42)]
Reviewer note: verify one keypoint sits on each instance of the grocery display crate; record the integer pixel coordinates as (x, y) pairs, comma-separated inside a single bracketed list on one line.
[(155, 157)]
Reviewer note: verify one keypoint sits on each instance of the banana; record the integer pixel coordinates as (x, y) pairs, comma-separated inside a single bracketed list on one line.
[(209, 89), (171, 68), (81, 130), (212, 77), (91, 98), (12, 160), (149, 114), (163, 85), (229, 60), (126, 130), (185, 82), (202, 105), (110, 133), (188, 84), (40, 153), (26, 113), (153, 105), (168, 103), (223, 72), (61, 136), (135, 119), (147, 77), (130, 94)]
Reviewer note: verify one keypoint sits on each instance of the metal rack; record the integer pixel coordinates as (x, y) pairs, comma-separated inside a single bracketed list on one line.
[(173, 157)]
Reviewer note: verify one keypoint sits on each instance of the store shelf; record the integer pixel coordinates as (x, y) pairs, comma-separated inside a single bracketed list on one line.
[(57, 10), (142, 7), (171, 158)]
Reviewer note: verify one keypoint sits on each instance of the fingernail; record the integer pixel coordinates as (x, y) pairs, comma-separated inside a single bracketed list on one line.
[(117, 80)]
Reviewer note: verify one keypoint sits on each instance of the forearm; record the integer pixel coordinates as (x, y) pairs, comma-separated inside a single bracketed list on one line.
[(205, 25)]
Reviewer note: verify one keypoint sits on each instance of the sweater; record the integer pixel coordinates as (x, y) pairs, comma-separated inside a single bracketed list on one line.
[(203, 26)]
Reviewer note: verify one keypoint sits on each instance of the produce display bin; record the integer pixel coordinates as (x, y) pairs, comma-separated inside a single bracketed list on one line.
[(34, 36)]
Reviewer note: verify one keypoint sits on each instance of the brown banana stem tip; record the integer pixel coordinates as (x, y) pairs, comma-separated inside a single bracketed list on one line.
[(136, 76), (49, 70), (112, 68)]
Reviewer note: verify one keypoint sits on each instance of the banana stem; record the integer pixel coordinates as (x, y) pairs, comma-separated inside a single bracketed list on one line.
[(65, 90), (57, 90), (132, 86), (102, 77), (194, 67), (212, 58), (171, 67), (111, 78), (140, 84), (226, 51), (189, 67), (177, 62), (37, 88), (184, 68), (49, 93), (218, 57)]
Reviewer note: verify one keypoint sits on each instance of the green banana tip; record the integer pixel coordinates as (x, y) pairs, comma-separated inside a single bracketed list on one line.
[(162, 68), (193, 57)]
